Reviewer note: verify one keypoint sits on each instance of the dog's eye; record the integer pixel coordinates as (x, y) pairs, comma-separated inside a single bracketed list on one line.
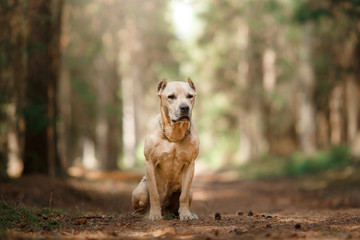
[(190, 96), (172, 97)]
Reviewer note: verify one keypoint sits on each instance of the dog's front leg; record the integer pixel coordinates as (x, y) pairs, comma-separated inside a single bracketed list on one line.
[(155, 209), (184, 209)]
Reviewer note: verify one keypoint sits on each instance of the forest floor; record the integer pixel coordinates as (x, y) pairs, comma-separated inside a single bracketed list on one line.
[(325, 206)]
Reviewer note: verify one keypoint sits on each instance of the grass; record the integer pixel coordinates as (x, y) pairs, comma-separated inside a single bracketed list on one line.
[(28, 219), (298, 164)]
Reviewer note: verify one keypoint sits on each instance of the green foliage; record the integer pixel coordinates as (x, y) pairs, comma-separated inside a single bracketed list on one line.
[(28, 218), (3, 59), (306, 12), (273, 6), (111, 109), (84, 92), (139, 155), (36, 117), (35, 47), (298, 164), (315, 11)]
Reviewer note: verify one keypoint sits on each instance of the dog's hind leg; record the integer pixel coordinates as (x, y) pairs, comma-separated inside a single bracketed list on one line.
[(140, 198)]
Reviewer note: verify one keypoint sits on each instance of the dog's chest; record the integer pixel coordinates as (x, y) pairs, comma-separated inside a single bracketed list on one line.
[(172, 158), (170, 164), (175, 154)]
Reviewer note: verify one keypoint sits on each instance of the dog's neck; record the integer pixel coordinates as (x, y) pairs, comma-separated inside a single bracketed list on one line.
[(174, 131)]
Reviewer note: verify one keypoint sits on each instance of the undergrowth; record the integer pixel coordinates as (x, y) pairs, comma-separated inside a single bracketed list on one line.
[(298, 164), (28, 219)]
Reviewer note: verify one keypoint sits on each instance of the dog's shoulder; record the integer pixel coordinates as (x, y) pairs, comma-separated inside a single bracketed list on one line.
[(152, 137), (194, 137)]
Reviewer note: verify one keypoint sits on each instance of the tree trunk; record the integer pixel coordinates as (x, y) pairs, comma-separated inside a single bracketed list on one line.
[(323, 131), (306, 124), (129, 58), (352, 108), (105, 140), (12, 74), (65, 114), (40, 152), (336, 103), (252, 143)]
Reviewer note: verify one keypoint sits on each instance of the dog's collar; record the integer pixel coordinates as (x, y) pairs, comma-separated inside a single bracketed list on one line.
[(188, 132)]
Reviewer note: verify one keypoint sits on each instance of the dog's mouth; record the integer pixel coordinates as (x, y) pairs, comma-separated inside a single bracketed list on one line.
[(181, 119)]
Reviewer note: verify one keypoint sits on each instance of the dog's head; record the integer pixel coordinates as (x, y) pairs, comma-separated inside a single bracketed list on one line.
[(177, 99)]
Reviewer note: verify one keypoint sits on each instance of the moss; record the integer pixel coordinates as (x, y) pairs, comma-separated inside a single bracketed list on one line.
[(28, 219)]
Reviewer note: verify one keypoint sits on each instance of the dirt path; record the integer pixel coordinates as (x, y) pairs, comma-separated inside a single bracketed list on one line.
[(99, 208)]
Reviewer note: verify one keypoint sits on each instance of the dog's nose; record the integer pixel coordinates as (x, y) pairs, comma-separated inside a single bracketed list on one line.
[(184, 108)]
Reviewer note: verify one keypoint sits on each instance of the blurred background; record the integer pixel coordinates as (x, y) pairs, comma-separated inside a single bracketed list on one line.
[(277, 81)]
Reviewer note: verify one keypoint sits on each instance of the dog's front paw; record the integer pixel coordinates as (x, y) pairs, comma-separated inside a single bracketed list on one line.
[(155, 215), (188, 216)]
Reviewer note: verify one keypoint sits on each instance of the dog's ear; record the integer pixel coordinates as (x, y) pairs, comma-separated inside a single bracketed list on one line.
[(161, 86), (192, 85)]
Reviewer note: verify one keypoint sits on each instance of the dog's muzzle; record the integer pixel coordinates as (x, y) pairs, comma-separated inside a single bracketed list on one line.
[(184, 109), (183, 113)]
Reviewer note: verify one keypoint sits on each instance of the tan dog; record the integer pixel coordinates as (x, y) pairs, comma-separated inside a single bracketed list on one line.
[(171, 148)]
